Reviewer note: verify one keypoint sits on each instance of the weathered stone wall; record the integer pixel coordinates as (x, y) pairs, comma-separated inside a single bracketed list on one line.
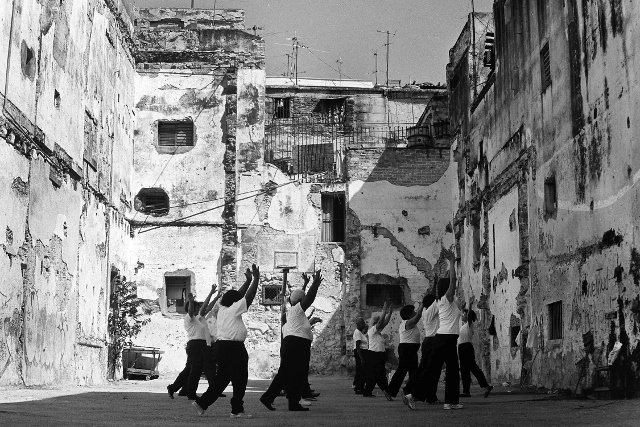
[(578, 134), (64, 194)]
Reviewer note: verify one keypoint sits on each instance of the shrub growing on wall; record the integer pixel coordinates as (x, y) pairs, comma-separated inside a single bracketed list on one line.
[(125, 320)]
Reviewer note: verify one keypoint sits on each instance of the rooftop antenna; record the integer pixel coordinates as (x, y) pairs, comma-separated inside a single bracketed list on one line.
[(255, 29), (375, 55), (339, 62), (192, 3), (387, 44)]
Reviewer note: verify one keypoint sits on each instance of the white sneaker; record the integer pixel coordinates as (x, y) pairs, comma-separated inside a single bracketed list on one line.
[(411, 402), (241, 415), (198, 409), (453, 406), (305, 402)]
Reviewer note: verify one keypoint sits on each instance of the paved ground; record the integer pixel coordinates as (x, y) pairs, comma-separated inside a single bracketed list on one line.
[(140, 403)]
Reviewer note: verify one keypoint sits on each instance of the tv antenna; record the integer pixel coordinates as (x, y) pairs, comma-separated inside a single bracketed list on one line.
[(255, 29), (387, 44), (339, 62), (375, 56)]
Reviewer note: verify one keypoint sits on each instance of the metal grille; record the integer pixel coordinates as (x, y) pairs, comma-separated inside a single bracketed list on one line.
[(311, 149), (378, 294), (175, 133), (555, 321), (282, 108), (545, 64), (271, 295), (333, 215), (153, 201)]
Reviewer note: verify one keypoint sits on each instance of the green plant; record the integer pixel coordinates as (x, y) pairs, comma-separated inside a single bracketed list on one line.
[(125, 320)]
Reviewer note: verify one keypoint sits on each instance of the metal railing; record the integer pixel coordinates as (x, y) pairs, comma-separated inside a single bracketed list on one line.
[(312, 150)]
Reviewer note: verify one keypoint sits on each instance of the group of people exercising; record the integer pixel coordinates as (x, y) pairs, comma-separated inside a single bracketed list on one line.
[(224, 359), (446, 342)]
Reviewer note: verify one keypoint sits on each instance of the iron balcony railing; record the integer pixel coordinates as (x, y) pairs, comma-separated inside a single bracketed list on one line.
[(313, 150)]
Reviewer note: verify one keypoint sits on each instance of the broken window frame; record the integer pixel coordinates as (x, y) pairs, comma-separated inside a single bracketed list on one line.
[(333, 217), (378, 293)]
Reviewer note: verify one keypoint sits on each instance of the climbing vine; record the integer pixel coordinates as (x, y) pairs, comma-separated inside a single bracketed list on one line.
[(125, 320)]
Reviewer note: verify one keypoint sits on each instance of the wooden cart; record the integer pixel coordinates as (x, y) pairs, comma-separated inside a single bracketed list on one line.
[(141, 362)]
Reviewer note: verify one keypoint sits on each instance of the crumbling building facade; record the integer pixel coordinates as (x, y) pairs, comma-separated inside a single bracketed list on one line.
[(544, 129)]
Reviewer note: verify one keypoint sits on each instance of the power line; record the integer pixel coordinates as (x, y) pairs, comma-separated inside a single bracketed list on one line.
[(213, 208)]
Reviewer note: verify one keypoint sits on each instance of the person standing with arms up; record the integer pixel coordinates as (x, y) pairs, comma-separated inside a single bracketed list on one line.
[(376, 356), (408, 347), (467, 357), (233, 359), (360, 346), (295, 350)]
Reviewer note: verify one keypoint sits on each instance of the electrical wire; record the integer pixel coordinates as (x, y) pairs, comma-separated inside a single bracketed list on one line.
[(176, 221)]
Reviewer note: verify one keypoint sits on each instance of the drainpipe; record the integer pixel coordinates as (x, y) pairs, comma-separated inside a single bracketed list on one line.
[(6, 82)]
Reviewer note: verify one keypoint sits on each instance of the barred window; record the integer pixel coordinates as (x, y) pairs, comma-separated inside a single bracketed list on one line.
[(377, 294), (545, 67), (271, 295), (282, 108), (152, 201)]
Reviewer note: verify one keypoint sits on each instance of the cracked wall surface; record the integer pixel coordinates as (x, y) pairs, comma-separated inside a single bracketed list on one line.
[(578, 134)]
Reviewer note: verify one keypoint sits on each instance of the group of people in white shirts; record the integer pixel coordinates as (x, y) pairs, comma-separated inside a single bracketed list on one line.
[(225, 360), (446, 342)]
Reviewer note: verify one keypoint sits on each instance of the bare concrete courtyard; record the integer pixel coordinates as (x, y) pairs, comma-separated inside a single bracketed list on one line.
[(140, 403)]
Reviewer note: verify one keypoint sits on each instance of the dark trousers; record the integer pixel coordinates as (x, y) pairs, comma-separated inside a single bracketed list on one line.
[(419, 385), (200, 358), (358, 379), (408, 355), (375, 371), (445, 352), (233, 367), (469, 366), (293, 371)]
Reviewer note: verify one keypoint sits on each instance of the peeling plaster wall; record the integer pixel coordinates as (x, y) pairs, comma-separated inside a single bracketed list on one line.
[(59, 216), (579, 132), (397, 223)]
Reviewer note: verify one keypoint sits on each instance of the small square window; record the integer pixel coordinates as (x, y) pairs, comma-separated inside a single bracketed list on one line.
[(172, 134), (177, 288), (555, 321), (271, 295), (377, 294), (282, 108)]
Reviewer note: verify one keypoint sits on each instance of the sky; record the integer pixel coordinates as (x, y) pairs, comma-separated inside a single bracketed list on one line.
[(421, 34)]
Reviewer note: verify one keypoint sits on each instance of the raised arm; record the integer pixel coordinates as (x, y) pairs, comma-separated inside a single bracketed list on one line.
[(253, 288), (245, 286), (306, 279), (191, 305), (205, 304), (453, 280), (384, 318), (414, 320), (312, 292)]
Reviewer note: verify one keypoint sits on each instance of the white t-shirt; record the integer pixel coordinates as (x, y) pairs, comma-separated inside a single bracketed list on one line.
[(449, 317), (409, 336), (196, 328), (230, 324), (359, 336), (376, 340), (466, 333), (297, 324), (430, 320)]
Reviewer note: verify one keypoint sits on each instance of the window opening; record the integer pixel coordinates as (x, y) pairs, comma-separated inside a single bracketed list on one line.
[(515, 330), (333, 217), (545, 65), (550, 197), (377, 294), (177, 288), (282, 108), (152, 201), (555, 320), (271, 295), (175, 134)]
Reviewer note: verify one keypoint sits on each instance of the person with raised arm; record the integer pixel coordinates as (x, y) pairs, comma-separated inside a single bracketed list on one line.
[(445, 349), (408, 346), (199, 352), (295, 350), (233, 359), (376, 356), (467, 356)]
